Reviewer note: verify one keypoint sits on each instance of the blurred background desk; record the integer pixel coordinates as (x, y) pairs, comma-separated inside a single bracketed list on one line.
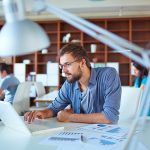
[(45, 99)]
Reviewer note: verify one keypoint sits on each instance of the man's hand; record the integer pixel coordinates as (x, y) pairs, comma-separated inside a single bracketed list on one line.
[(40, 114), (64, 116)]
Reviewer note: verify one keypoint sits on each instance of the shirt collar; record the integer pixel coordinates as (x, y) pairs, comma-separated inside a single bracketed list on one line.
[(91, 81), (93, 77), (77, 85)]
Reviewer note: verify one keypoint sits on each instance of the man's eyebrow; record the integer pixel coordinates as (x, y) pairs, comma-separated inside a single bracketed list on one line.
[(64, 63)]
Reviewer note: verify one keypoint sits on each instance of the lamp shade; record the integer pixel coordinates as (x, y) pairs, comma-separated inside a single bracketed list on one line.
[(22, 37)]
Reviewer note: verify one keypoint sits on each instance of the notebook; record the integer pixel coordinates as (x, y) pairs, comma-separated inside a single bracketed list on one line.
[(12, 120)]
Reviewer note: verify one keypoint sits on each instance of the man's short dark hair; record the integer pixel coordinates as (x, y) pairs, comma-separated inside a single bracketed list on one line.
[(77, 51), (4, 67)]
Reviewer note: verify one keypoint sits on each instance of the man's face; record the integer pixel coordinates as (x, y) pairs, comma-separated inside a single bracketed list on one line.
[(71, 67)]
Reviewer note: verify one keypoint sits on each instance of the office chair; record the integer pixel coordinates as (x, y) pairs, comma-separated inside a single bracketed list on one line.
[(40, 90), (21, 101)]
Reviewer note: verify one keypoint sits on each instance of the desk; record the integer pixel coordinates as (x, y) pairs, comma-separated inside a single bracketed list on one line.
[(47, 98), (11, 140)]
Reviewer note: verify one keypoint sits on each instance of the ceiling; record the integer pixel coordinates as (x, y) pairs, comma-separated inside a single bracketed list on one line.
[(92, 8)]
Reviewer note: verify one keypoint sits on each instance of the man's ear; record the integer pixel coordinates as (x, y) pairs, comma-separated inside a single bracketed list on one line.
[(83, 62)]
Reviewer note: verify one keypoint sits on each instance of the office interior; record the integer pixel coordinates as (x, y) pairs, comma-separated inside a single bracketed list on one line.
[(128, 19)]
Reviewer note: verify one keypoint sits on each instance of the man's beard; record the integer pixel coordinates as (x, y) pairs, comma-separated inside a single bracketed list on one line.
[(75, 77)]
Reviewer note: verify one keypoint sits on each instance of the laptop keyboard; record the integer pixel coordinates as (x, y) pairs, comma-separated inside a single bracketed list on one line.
[(37, 125)]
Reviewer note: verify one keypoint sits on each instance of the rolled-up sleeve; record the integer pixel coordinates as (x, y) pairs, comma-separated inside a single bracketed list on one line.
[(61, 101), (112, 96)]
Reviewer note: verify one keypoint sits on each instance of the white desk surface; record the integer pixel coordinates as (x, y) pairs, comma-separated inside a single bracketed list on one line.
[(12, 140)]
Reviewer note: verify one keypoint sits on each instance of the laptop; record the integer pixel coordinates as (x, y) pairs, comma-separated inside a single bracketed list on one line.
[(11, 119)]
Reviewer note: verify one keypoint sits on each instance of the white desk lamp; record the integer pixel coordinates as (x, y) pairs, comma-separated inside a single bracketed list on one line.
[(136, 53), (19, 35)]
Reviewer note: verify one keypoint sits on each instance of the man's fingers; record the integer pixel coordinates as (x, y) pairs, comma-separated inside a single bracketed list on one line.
[(30, 116), (26, 115)]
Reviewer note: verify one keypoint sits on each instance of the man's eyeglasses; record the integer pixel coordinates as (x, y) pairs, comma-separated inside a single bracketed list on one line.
[(67, 65)]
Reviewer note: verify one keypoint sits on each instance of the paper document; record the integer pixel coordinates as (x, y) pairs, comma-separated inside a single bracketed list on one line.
[(93, 136), (113, 130), (80, 140)]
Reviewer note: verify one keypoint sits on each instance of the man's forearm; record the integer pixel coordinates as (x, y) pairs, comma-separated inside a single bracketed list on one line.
[(89, 118)]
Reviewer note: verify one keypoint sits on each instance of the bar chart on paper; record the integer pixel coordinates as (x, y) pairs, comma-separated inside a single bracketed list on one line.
[(112, 130), (64, 137)]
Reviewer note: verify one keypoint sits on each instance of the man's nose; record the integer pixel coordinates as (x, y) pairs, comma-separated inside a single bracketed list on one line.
[(64, 69)]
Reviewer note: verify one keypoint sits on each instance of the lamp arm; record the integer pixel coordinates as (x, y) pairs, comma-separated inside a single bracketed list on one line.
[(102, 35), (91, 26)]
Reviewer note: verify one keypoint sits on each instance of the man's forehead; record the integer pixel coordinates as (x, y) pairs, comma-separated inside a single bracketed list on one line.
[(66, 58)]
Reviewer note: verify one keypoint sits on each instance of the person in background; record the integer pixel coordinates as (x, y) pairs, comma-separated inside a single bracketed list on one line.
[(94, 93), (140, 73), (8, 83)]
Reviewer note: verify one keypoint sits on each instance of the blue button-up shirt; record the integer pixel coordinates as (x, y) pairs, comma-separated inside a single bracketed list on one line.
[(103, 96)]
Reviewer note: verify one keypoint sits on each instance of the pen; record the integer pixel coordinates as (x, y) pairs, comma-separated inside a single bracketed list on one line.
[(83, 139), (101, 125)]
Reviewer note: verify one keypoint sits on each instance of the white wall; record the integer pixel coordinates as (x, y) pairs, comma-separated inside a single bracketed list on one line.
[(92, 9)]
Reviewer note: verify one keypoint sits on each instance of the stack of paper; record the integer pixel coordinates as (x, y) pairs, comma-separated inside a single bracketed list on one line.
[(52, 74), (20, 71)]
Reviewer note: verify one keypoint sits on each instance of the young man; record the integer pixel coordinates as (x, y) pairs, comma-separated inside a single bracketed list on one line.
[(94, 94), (8, 83)]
